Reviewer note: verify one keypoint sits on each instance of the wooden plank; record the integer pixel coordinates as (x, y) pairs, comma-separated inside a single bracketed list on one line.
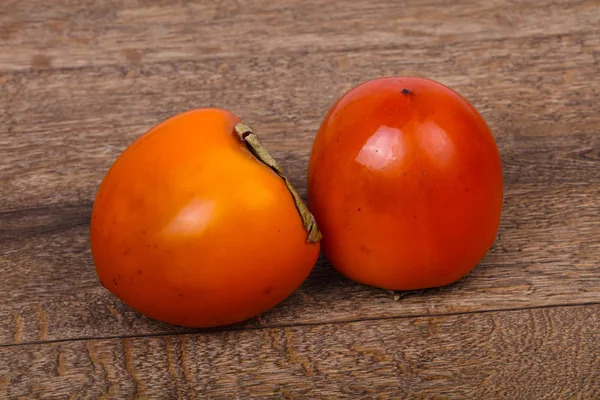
[(58, 125), (80, 80), (75, 34), (61, 129), (547, 253), (57, 140), (551, 353)]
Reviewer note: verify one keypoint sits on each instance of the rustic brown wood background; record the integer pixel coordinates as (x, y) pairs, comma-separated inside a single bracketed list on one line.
[(80, 80)]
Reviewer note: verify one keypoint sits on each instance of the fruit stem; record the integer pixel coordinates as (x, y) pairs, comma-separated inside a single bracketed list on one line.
[(248, 137)]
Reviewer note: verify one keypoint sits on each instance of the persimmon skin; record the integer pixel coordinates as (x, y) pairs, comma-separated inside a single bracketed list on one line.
[(189, 228), (405, 182)]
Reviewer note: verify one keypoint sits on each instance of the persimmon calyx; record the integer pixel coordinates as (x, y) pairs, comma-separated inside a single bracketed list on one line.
[(248, 137)]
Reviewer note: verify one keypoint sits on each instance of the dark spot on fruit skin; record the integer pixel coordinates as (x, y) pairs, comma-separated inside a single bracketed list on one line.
[(359, 209), (414, 217), (180, 294), (268, 290), (139, 271), (404, 173), (406, 91), (115, 281)]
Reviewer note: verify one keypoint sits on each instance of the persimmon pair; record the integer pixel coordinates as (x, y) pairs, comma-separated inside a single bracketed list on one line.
[(196, 225)]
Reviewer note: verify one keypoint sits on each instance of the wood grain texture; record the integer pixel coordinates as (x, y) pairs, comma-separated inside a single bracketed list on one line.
[(484, 356), (79, 81), (61, 128), (127, 32), (547, 253)]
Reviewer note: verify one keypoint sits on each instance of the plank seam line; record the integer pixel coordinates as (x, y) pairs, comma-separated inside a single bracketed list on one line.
[(299, 325), (228, 55), (82, 214)]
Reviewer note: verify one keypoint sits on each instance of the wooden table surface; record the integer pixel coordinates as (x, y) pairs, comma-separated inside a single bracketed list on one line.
[(80, 80)]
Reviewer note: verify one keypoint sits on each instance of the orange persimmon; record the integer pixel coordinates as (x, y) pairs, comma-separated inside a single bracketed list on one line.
[(405, 182), (194, 224)]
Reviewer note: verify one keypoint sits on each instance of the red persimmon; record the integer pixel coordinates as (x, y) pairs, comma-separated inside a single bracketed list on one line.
[(405, 182)]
